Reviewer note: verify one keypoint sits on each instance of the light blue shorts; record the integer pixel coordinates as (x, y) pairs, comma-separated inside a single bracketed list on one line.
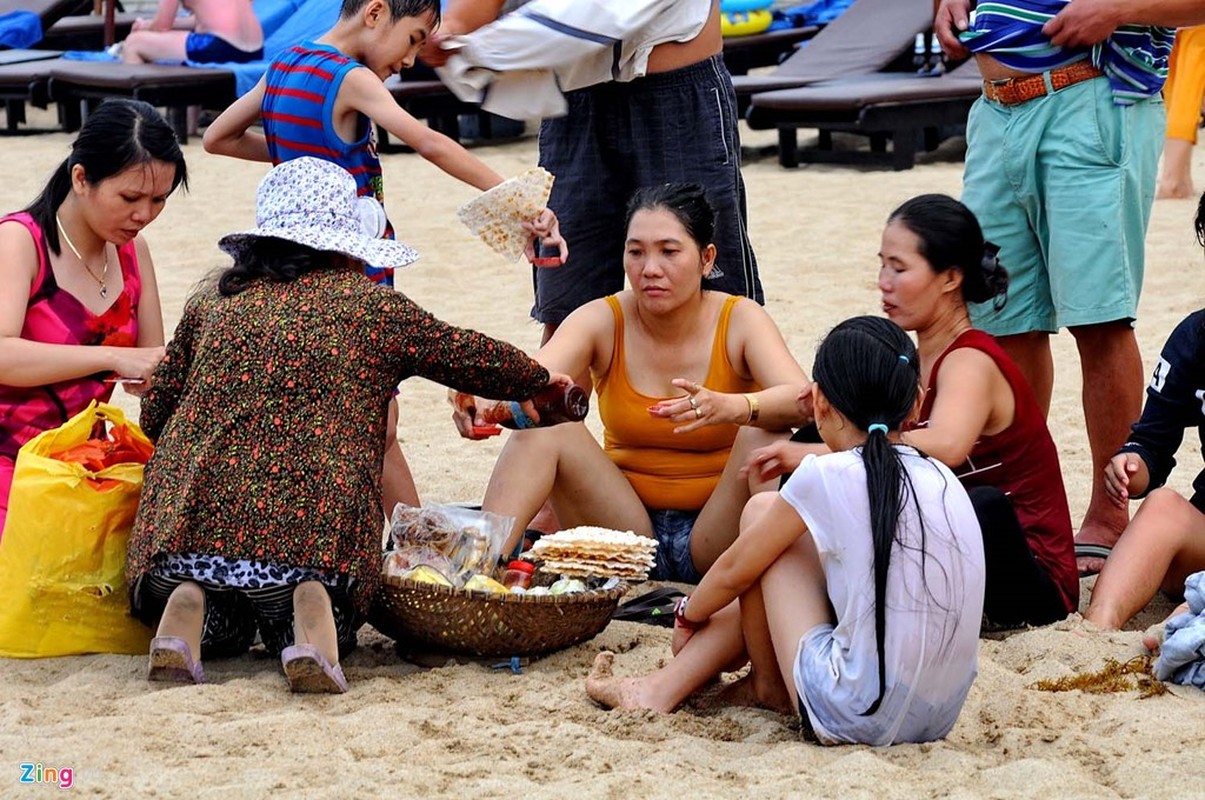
[(1064, 185)]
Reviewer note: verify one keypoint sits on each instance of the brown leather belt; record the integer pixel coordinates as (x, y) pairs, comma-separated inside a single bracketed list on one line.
[(1013, 91)]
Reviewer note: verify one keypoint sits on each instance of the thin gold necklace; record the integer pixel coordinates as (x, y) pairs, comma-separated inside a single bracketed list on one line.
[(101, 281)]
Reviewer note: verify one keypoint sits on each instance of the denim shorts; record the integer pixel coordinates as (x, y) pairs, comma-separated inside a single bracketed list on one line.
[(679, 125), (672, 530), (1064, 185)]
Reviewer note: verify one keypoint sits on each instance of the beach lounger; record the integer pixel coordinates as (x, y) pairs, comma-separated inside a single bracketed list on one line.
[(23, 23), (285, 23), (743, 53), (172, 87), (28, 82), (871, 36), (86, 31), (906, 112)]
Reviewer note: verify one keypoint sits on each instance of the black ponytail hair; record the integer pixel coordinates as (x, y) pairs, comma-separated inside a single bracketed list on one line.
[(118, 135), (868, 369), (950, 238)]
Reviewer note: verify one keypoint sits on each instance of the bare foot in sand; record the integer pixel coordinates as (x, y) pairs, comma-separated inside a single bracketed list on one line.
[(746, 693), (1152, 638), (611, 692)]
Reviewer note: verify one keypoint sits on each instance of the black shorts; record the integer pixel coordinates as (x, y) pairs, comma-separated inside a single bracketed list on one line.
[(617, 137)]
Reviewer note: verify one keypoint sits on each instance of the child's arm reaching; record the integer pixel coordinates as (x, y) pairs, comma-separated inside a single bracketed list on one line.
[(230, 134), (364, 92)]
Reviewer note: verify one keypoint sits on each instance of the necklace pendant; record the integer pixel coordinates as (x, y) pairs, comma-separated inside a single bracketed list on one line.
[(104, 291)]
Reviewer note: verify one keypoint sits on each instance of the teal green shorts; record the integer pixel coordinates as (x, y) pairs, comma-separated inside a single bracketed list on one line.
[(1064, 185)]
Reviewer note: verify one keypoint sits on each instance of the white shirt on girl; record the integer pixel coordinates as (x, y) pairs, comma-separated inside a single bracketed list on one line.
[(934, 602)]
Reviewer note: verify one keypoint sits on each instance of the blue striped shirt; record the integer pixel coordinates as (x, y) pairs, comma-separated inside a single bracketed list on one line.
[(299, 99), (1134, 57)]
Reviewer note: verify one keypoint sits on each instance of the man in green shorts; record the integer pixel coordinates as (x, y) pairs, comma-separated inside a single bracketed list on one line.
[(1062, 154)]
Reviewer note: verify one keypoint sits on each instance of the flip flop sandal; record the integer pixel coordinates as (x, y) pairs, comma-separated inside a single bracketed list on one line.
[(654, 608), (1100, 551), (309, 672), (171, 661)]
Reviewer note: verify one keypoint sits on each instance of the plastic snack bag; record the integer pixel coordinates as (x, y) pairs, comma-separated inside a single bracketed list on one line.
[(469, 539)]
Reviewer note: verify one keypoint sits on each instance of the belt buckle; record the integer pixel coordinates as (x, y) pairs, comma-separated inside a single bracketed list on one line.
[(994, 86)]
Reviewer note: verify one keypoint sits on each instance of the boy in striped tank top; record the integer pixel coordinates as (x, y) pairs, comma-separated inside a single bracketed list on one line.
[(322, 98)]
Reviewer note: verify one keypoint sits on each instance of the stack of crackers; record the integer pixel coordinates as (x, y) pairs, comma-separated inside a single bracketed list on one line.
[(497, 215), (588, 551)]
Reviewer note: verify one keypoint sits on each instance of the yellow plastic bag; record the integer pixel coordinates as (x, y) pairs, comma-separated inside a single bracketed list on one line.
[(63, 552)]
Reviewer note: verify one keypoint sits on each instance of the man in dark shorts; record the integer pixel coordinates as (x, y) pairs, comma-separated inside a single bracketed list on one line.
[(218, 31), (677, 123)]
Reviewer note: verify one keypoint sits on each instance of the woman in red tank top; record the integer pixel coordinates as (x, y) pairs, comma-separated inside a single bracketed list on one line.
[(979, 416), (78, 301)]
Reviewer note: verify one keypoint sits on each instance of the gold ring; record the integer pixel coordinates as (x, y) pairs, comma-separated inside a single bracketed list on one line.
[(698, 413)]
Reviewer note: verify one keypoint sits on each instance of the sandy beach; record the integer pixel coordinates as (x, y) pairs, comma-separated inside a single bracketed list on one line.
[(467, 730)]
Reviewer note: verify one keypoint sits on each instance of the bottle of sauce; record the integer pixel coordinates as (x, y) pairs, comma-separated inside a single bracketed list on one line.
[(518, 575), (555, 405)]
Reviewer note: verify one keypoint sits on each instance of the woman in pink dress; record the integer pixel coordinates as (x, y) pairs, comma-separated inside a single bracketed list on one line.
[(78, 301)]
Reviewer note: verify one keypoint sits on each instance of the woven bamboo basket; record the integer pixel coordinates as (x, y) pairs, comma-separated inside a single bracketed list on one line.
[(488, 624)]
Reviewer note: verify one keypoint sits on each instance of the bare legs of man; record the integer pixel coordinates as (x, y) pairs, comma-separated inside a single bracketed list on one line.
[(1112, 399)]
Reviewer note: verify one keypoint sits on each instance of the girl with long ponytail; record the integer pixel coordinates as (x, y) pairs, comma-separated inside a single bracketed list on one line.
[(856, 592)]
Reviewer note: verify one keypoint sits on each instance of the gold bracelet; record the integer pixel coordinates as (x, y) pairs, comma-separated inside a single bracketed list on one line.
[(754, 409)]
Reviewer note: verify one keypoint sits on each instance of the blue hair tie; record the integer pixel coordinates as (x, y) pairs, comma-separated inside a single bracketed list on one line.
[(520, 417), (878, 426), (904, 358)]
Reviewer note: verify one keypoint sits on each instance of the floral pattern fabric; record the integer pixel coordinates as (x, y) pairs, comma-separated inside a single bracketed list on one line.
[(269, 412)]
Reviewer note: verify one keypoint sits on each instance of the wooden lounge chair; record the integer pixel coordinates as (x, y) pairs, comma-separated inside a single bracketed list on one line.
[(743, 53), (906, 112), (48, 11), (868, 38), (28, 82), (86, 31), (172, 87)]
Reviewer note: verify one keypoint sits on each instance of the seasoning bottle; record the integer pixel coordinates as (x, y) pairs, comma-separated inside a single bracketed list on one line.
[(555, 405), (518, 575)]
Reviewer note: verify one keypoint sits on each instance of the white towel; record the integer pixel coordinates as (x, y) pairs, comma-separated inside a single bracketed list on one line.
[(520, 65)]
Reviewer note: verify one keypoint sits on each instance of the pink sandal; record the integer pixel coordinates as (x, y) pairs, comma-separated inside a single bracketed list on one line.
[(171, 661), (309, 672)]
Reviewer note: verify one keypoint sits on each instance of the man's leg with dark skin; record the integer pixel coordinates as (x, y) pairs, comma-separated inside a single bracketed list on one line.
[(1113, 384), (1031, 353)]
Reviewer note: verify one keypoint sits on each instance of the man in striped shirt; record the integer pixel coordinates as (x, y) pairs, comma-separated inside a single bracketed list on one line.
[(1062, 152)]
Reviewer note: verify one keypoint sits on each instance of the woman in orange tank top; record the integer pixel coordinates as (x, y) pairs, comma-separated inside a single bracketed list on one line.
[(689, 382)]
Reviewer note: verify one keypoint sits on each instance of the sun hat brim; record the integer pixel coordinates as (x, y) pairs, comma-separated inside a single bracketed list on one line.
[(374, 252)]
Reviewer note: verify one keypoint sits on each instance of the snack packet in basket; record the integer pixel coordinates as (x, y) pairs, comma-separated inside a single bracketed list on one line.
[(466, 540), (497, 215)]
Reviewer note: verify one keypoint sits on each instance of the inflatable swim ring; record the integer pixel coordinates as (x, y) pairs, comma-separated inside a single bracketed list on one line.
[(744, 23), (744, 6)]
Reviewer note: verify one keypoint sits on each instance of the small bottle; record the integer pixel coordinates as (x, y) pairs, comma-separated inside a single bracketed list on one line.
[(555, 405), (920, 53), (937, 58), (518, 575)]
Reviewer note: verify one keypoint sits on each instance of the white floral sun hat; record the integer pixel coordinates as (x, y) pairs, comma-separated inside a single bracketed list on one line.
[(313, 202)]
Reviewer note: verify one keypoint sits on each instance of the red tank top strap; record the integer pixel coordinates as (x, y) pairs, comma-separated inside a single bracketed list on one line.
[(131, 274)]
